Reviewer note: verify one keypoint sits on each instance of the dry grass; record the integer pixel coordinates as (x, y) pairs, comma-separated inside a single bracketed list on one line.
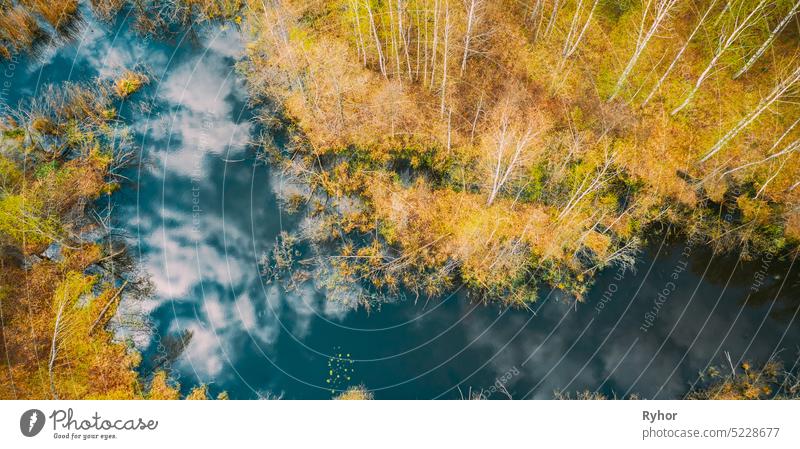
[(129, 83), (357, 393)]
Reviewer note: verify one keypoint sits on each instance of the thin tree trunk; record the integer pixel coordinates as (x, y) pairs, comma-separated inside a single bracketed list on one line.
[(537, 12), (425, 65), (765, 103), (572, 26), (107, 306), (435, 41), (678, 55), (774, 145), (521, 144), (569, 45), (771, 178), (416, 69), (404, 37), (503, 174), (501, 145), (775, 32), (598, 182), (381, 62), (449, 128), (395, 48), (359, 51), (467, 36), (553, 16), (444, 57), (360, 36), (54, 348), (662, 11), (725, 43)]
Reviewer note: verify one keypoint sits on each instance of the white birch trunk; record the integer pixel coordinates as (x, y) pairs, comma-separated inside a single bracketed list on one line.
[(775, 32), (435, 41), (552, 21), (468, 35), (774, 145), (359, 35), (569, 45), (662, 11), (444, 57), (725, 43), (655, 88), (381, 62), (765, 103)]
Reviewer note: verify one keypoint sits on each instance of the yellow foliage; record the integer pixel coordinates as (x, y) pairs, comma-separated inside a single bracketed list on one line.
[(160, 389), (356, 393), (199, 393), (747, 384), (509, 162), (129, 82)]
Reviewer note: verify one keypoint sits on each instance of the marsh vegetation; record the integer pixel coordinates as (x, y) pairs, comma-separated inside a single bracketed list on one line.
[(425, 144), (510, 145), (63, 271)]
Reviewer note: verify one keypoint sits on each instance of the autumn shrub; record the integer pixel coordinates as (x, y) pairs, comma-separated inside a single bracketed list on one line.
[(747, 381), (128, 83), (56, 154), (19, 31), (356, 393)]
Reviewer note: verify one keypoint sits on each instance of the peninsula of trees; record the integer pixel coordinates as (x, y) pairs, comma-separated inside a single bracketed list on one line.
[(508, 145)]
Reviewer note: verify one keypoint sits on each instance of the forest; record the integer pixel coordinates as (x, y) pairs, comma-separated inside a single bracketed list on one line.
[(510, 145), (507, 146)]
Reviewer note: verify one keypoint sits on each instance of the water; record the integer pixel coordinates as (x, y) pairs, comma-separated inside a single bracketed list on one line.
[(199, 212)]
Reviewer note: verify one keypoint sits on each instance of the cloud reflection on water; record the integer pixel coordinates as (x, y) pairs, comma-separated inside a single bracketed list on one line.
[(203, 214)]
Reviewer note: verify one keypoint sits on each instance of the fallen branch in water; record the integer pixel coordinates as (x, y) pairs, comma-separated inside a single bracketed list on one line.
[(105, 309)]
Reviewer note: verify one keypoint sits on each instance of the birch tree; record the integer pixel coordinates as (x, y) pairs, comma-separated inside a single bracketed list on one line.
[(508, 156), (381, 62), (395, 45), (778, 92), (508, 147), (772, 35), (435, 42), (588, 186), (661, 12), (574, 36), (419, 43), (359, 36), (405, 36), (54, 347), (553, 16), (791, 147), (537, 17), (677, 57), (473, 17), (426, 58), (444, 57), (726, 40)]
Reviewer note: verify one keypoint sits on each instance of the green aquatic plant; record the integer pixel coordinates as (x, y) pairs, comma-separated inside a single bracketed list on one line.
[(340, 372)]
